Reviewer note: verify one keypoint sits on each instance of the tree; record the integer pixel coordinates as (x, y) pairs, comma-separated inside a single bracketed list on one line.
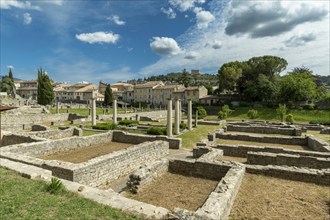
[(185, 78), (7, 85), (108, 96), (10, 75), (45, 90), (298, 86), (228, 74)]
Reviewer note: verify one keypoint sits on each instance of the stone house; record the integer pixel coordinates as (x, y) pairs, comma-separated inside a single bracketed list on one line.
[(144, 92), (27, 88), (162, 93), (194, 93), (76, 92)]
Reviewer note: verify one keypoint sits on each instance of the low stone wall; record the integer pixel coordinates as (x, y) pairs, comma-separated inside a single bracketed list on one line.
[(37, 127), (12, 139), (317, 144), (265, 139), (284, 130), (153, 115), (321, 177), (325, 131), (124, 137), (220, 201), (202, 122), (13, 119), (242, 150), (146, 174), (57, 134), (262, 158)]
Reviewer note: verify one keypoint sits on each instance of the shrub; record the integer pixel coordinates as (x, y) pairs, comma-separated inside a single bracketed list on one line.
[(127, 122), (281, 111), (183, 126), (252, 114), (289, 118), (225, 111), (309, 106), (156, 131), (55, 186), (201, 112), (105, 126)]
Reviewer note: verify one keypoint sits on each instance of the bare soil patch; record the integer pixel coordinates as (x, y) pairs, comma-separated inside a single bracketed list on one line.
[(79, 155), (325, 137), (262, 197), (235, 159), (173, 190), (237, 142)]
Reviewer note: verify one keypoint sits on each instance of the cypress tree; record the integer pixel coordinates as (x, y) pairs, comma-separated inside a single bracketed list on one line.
[(108, 96), (10, 74), (45, 88)]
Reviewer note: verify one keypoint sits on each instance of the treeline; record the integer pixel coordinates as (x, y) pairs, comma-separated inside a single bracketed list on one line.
[(258, 79)]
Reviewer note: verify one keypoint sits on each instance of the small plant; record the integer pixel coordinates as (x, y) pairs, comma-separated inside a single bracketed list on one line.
[(201, 112), (289, 118), (55, 186), (252, 114), (183, 126), (320, 121), (281, 111), (156, 131), (225, 112), (127, 122), (105, 126)]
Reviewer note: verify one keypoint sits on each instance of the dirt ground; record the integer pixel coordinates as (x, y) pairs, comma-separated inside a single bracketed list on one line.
[(173, 190), (235, 159), (79, 155), (236, 142), (268, 198)]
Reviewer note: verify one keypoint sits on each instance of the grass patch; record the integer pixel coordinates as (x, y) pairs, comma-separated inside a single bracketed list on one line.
[(22, 198), (88, 132), (190, 138)]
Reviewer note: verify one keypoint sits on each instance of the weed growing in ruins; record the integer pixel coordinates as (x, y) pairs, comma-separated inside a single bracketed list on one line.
[(156, 131), (289, 118), (55, 186), (252, 114), (201, 112), (281, 111), (225, 112), (105, 126)]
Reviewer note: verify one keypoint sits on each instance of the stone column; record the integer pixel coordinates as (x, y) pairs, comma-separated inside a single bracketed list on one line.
[(189, 114), (177, 117), (115, 111), (169, 118), (93, 112), (196, 118), (125, 107), (180, 111), (57, 110)]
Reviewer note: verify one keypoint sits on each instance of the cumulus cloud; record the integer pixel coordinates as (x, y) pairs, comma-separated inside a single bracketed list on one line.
[(264, 18), (165, 46), (169, 12), (203, 18), (116, 20), (10, 66), (8, 4), (191, 55), (27, 19), (296, 41), (98, 37), (215, 44), (184, 5)]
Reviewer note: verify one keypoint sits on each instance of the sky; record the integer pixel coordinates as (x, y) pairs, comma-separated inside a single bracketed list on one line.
[(119, 40)]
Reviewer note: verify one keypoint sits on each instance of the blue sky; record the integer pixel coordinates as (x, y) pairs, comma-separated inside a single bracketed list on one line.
[(93, 40)]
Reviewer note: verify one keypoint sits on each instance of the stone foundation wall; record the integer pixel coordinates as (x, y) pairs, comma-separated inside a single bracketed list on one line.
[(268, 139), (317, 144), (287, 130), (242, 150), (262, 158), (120, 136), (13, 119), (321, 177), (12, 139), (57, 134), (146, 174)]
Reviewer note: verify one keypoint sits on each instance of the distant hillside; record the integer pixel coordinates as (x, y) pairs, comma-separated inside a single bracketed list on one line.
[(7, 75), (324, 79)]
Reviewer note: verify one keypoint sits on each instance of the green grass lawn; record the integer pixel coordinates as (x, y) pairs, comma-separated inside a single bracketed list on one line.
[(22, 198), (271, 115), (190, 138)]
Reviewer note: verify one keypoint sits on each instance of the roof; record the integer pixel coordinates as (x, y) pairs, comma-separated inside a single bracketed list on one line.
[(26, 88), (170, 86), (149, 84), (121, 84), (87, 88)]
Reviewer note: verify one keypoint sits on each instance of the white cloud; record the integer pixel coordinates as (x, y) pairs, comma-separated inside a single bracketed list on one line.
[(116, 20), (165, 46), (98, 37), (216, 44), (184, 5), (27, 19), (55, 2), (10, 67), (169, 12), (203, 18), (191, 55), (8, 4)]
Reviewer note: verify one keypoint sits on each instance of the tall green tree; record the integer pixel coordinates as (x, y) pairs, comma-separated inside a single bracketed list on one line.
[(228, 75), (45, 89), (7, 85), (185, 78), (10, 74), (108, 96)]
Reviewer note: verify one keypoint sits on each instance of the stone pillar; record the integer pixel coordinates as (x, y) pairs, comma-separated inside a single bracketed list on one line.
[(189, 114), (57, 110), (115, 111), (169, 118), (141, 109), (177, 117), (180, 111), (137, 117), (125, 107), (196, 118), (139, 105), (89, 112), (93, 112)]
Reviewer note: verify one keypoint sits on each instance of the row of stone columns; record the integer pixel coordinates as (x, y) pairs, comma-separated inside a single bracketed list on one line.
[(177, 116)]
